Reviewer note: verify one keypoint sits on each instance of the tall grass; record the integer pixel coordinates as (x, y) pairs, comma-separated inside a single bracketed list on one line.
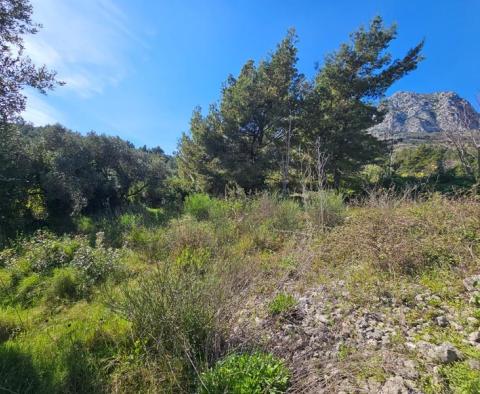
[(176, 315)]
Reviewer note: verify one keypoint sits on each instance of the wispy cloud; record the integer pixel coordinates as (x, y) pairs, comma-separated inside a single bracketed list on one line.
[(87, 42), (39, 112)]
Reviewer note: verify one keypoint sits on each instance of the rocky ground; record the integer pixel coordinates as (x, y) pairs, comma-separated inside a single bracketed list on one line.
[(335, 345)]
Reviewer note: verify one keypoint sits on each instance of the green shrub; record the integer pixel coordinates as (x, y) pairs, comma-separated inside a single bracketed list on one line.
[(129, 220), (17, 371), (5, 282), (372, 174), (64, 285), (66, 355), (199, 206), (282, 303), (256, 373), (183, 233), (325, 208), (85, 225), (461, 378), (193, 259), (7, 329), (270, 220), (287, 216)]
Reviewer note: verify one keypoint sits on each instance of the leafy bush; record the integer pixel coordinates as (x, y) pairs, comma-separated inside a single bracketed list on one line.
[(65, 267), (45, 251), (282, 303), (199, 206), (96, 264), (256, 373), (325, 208)]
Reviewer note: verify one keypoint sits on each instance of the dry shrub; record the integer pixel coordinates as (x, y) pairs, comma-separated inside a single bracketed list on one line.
[(407, 237), (325, 209), (183, 233)]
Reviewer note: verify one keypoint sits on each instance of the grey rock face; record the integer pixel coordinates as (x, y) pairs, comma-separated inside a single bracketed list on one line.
[(409, 112)]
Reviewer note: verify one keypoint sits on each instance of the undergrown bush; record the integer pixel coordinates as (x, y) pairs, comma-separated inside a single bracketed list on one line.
[(277, 213), (256, 373), (29, 289), (184, 233)]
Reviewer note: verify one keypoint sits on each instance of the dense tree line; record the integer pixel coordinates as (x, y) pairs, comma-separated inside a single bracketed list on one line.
[(51, 174), (274, 128)]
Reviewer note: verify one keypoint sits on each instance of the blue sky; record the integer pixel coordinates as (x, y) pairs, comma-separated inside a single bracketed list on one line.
[(138, 68)]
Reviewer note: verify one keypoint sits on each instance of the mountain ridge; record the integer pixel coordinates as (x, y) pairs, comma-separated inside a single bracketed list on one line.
[(410, 112)]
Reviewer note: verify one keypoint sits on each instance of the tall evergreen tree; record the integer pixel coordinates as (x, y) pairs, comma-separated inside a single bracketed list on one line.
[(200, 152), (239, 142), (342, 104)]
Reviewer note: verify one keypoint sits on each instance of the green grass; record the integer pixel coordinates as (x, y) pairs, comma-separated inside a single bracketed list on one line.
[(282, 303)]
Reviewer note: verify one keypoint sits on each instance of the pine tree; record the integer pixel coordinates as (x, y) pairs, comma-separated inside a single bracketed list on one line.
[(342, 104)]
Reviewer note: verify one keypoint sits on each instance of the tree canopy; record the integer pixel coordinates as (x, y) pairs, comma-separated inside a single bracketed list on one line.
[(271, 122)]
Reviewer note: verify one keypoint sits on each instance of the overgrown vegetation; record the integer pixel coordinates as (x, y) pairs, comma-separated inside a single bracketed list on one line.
[(155, 314), (124, 270)]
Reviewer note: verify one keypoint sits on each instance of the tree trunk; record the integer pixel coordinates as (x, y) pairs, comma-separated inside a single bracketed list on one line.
[(287, 158), (336, 178)]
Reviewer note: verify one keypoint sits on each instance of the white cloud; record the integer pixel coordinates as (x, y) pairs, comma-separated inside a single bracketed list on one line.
[(88, 42), (39, 112)]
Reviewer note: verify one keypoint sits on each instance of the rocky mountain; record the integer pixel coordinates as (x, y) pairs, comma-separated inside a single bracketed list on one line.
[(409, 112)]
